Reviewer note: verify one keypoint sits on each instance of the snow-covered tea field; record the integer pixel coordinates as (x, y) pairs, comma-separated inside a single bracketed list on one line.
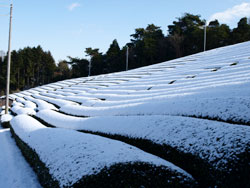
[(184, 122)]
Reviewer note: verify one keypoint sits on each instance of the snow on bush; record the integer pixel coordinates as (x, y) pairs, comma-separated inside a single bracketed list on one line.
[(216, 142), (226, 109), (18, 110), (41, 104), (58, 102), (6, 118), (218, 153), (154, 104), (70, 155)]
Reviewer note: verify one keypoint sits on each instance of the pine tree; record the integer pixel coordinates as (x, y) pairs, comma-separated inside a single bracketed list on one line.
[(113, 58)]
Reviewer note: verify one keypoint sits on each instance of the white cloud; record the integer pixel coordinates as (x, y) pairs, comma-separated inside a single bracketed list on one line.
[(73, 6), (232, 15)]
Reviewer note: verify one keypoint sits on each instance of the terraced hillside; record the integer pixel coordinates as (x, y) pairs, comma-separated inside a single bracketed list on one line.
[(181, 123)]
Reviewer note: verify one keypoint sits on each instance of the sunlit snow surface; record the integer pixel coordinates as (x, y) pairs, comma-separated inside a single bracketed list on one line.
[(15, 171), (70, 155), (216, 142), (214, 84), (158, 103)]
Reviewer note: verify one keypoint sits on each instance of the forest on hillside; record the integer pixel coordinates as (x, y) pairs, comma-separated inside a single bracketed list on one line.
[(32, 66)]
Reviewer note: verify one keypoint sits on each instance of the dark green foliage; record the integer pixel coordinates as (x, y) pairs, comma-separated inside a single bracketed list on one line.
[(217, 35), (96, 61), (231, 121), (199, 169), (171, 82), (43, 122), (5, 124), (135, 175), (79, 67), (30, 67), (189, 35), (149, 45), (242, 32), (235, 63), (63, 71), (113, 60)]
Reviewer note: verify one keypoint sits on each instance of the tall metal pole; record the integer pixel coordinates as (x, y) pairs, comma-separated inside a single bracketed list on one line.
[(205, 35), (8, 66), (89, 67), (127, 58)]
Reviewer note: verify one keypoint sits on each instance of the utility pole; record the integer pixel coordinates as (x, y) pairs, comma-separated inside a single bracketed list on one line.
[(127, 58), (8, 66), (205, 35)]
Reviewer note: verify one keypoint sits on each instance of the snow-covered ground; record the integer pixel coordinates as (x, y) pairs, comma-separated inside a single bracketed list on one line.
[(213, 84), (166, 103), (15, 171)]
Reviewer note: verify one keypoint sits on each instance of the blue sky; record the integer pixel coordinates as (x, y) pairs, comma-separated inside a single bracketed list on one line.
[(67, 27)]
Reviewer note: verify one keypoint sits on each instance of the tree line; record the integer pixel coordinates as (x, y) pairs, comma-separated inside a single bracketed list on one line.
[(149, 45), (31, 67)]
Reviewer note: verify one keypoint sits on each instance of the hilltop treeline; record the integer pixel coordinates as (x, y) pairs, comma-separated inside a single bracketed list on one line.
[(33, 66), (30, 67)]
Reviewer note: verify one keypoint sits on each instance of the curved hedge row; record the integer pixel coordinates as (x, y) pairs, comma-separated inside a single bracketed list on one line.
[(133, 173), (215, 153), (236, 174), (35, 162)]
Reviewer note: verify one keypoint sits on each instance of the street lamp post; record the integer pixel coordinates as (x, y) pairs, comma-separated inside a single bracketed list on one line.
[(8, 65)]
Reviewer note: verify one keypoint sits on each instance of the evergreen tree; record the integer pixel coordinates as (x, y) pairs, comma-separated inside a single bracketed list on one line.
[(79, 67), (113, 58), (62, 71), (242, 32), (50, 66), (148, 46), (96, 59), (217, 35), (187, 34), (29, 67)]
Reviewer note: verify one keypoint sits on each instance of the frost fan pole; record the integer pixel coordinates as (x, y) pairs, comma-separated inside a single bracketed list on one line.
[(89, 67), (127, 59), (8, 66), (205, 35)]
